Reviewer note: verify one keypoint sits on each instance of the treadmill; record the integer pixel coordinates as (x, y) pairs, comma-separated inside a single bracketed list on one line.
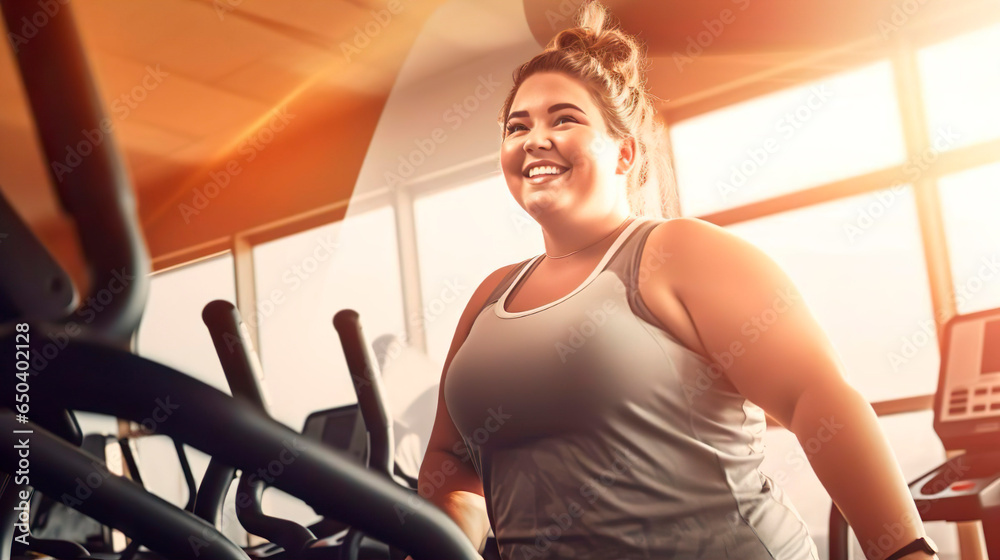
[(966, 418)]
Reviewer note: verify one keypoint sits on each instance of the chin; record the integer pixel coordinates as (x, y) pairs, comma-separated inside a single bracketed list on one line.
[(540, 204)]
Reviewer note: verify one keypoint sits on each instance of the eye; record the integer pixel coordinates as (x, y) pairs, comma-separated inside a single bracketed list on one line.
[(566, 118), (514, 127)]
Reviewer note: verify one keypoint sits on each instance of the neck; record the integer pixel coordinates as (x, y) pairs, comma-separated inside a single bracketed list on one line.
[(583, 238)]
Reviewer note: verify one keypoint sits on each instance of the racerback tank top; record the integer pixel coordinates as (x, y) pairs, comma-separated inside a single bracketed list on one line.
[(597, 434)]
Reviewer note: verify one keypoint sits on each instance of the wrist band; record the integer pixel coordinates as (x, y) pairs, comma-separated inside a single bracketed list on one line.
[(923, 543)]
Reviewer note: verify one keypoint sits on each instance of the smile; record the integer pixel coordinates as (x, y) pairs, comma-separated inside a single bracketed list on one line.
[(545, 170), (545, 174)]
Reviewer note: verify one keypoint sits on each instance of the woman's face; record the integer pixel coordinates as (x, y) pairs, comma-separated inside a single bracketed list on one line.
[(557, 155)]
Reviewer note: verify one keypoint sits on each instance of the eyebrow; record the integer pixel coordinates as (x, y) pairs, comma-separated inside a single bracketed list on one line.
[(552, 109)]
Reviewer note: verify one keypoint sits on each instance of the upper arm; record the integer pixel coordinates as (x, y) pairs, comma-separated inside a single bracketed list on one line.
[(444, 435), (750, 317)]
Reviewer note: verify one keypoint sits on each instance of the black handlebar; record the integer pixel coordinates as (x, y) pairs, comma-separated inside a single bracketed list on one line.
[(66, 473), (127, 386), (235, 352), (368, 386), (243, 373), (85, 166), (36, 286), (93, 371)]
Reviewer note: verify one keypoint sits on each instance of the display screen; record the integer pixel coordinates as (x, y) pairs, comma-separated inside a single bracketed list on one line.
[(991, 348)]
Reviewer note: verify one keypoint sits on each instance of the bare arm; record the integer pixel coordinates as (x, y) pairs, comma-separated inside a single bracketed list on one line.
[(750, 316), (849, 453), (447, 477), (455, 494)]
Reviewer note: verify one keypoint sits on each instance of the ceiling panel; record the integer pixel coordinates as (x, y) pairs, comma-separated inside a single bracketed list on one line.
[(139, 136), (182, 34), (331, 20), (163, 95), (275, 75), (130, 28)]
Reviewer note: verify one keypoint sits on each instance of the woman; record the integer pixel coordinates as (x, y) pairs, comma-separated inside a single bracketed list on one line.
[(606, 399)]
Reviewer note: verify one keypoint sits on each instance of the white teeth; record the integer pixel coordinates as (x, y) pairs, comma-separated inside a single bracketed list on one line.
[(544, 170)]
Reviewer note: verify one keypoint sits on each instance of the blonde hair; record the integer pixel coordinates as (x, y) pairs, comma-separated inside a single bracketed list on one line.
[(612, 65)]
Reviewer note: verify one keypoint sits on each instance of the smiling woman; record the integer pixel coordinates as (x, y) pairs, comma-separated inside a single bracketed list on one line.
[(660, 342)]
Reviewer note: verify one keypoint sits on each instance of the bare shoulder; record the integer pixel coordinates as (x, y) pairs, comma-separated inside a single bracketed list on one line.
[(681, 243), (688, 233), (696, 247), (665, 271), (694, 274)]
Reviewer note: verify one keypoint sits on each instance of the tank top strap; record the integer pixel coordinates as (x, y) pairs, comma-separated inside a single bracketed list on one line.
[(626, 265), (625, 261)]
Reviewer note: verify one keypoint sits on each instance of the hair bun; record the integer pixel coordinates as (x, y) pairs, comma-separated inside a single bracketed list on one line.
[(598, 36)]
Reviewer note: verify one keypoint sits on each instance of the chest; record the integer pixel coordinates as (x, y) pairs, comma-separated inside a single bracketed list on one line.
[(544, 286), (573, 366)]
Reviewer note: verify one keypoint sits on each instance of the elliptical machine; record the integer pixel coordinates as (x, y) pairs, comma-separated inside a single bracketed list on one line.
[(93, 369), (966, 417)]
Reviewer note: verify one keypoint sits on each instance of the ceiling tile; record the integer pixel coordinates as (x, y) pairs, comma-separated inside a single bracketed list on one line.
[(164, 96)]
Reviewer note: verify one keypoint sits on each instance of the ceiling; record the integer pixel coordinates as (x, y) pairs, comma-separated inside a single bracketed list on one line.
[(191, 83), (709, 53)]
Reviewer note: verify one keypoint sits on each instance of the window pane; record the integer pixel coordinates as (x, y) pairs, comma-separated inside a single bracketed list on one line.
[(960, 79), (970, 202), (172, 331), (91, 423), (463, 235), (839, 127), (173, 334), (859, 265), (302, 281), (915, 445)]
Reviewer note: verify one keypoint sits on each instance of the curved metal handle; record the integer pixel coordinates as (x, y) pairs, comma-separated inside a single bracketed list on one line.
[(287, 534), (127, 386), (59, 469), (368, 387), (840, 543), (211, 494), (235, 351), (243, 372)]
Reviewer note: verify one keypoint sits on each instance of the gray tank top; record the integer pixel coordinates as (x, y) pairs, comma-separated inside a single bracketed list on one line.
[(597, 434)]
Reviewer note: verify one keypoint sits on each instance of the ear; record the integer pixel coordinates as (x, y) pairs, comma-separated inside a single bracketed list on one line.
[(626, 155)]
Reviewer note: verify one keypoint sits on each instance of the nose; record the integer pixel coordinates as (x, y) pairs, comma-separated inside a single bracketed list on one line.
[(538, 139)]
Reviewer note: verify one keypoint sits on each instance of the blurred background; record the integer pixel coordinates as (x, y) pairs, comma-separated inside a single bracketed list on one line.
[(301, 157)]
